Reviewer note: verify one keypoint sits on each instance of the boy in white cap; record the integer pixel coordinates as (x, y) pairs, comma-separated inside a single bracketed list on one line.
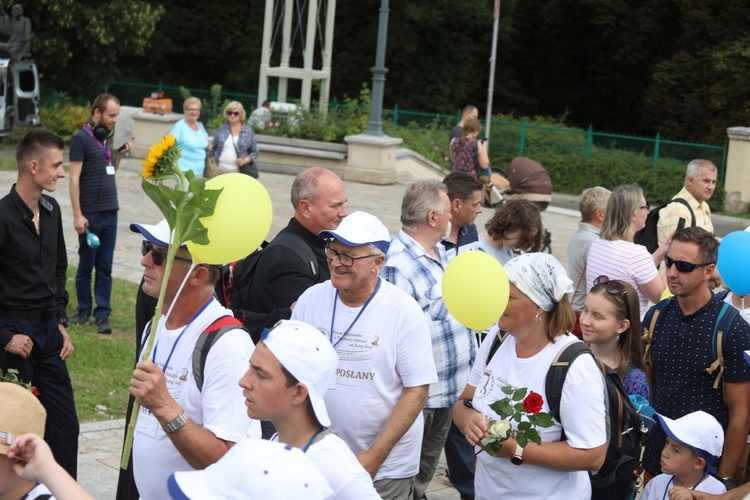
[(694, 443), (290, 371), (253, 469)]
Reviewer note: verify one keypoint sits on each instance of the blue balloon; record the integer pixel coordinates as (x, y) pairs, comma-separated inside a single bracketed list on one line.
[(733, 267)]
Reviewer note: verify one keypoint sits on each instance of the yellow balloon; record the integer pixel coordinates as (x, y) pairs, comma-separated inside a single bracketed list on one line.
[(666, 294), (475, 289), (240, 221)]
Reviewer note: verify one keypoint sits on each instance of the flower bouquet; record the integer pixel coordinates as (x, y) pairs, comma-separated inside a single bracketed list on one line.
[(525, 408)]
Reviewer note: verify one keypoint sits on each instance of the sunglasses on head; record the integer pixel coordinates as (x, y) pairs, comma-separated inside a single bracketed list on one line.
[(233, 113), (158, 256), (682, 266), (612, 288)]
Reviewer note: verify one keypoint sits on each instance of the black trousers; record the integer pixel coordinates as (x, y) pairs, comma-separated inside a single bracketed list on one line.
[(49, 374)]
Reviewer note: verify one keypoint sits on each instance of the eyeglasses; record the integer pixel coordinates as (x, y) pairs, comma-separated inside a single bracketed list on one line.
[(233, 113), (682, 266), (344, 259), (646, 206), (613, 288), (158, 256)]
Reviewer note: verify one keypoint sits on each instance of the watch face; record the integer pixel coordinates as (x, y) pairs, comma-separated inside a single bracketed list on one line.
[(516, 460)]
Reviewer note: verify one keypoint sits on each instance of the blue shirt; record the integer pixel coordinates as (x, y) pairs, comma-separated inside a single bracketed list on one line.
[(411, 268), (468, 239), (681, 351), (193, 144)]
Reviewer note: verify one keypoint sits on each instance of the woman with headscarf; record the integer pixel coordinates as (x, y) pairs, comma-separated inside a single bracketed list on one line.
[(191, 137), (234, 146), (537, 321)]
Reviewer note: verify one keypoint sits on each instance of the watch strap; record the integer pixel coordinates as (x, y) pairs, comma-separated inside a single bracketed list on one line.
[(517, 458)]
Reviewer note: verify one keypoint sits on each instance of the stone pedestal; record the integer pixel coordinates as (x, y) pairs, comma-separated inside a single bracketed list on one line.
[(148, 129), (371, 159), (737, 176)]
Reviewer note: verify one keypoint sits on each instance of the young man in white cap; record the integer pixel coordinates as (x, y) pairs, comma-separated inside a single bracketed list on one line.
[(694, 443), (290, 371), (253, 469), (385, 356), (188, 418)]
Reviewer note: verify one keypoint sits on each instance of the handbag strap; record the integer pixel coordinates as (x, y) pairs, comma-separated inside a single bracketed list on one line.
[(583, 273)]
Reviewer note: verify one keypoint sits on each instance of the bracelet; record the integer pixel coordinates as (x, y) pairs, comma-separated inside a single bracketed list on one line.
[(7, 346)]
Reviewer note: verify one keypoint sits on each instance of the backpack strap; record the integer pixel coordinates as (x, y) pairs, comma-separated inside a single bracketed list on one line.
[(302, 249), (557, 372), (206, 340), (499, 338), (684, 202), (722, 295), (723, 324), (652, 319)]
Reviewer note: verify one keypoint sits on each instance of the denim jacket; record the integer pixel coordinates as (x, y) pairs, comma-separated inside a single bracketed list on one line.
[(246, 144)]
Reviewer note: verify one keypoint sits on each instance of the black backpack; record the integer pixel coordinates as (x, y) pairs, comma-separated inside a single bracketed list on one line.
[(648, 236), (616, 477)]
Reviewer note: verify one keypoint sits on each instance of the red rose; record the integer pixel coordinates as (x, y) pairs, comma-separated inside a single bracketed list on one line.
[(533, 403), (35, 391)]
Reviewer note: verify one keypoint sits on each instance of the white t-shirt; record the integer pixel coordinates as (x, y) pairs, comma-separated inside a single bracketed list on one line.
[(228, 158), (219, 407), (386, 350), (658, 487), (345, 475), (37, 491), (621, 260), (581, 408), (745, 313)]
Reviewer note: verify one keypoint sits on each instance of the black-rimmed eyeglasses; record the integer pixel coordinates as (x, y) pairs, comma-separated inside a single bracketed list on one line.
[(344, 259)]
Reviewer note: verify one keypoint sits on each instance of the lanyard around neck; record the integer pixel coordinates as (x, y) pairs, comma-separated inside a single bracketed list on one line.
[(333, 316), (671, 481), (177, 341)]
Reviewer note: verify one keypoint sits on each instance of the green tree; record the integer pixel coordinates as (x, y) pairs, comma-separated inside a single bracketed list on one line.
[(77, 44)]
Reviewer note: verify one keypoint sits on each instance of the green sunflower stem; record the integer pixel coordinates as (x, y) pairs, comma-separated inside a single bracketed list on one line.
[(171, 253)]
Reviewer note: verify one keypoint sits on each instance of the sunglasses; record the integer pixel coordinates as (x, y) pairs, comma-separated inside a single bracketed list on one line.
[(613, 288), (233, 113), (158, 256), (682, 266)]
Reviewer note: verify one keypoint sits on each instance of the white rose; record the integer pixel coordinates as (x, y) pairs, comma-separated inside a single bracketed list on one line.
[(499, 429)]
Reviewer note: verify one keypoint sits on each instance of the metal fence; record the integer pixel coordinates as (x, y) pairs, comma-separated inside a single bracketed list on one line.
[(508, 138)]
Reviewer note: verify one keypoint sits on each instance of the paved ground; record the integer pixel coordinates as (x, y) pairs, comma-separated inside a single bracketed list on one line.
[(100, 442)]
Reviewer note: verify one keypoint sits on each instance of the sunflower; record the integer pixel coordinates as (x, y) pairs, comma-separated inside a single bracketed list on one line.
[(162, 157)]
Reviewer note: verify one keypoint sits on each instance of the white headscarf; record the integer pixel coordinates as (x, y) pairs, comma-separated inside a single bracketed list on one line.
[(540, 277)]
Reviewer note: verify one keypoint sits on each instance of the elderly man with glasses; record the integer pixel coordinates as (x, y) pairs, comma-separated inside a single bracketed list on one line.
[(189, 415), (385, 357), (683, 348)]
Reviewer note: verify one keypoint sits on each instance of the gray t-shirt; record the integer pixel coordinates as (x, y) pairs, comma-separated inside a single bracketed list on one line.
[(578, 253)]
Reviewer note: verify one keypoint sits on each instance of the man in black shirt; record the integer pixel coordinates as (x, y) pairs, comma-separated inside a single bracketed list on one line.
[(319, 201), (33, 263)]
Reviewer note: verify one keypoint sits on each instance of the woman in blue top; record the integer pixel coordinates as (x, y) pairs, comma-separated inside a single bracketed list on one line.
[(234, 146), (191, 138), (611, 325)]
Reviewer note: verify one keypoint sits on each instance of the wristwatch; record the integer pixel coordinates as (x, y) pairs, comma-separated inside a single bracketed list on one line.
[(517, 458), (728, 482), (176, 424), (468, 403)]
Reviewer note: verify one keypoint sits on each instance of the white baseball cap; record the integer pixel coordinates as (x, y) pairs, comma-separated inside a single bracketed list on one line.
[(158, 234), (305, 352), (699, 431), (253, 469), (358, 229)]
